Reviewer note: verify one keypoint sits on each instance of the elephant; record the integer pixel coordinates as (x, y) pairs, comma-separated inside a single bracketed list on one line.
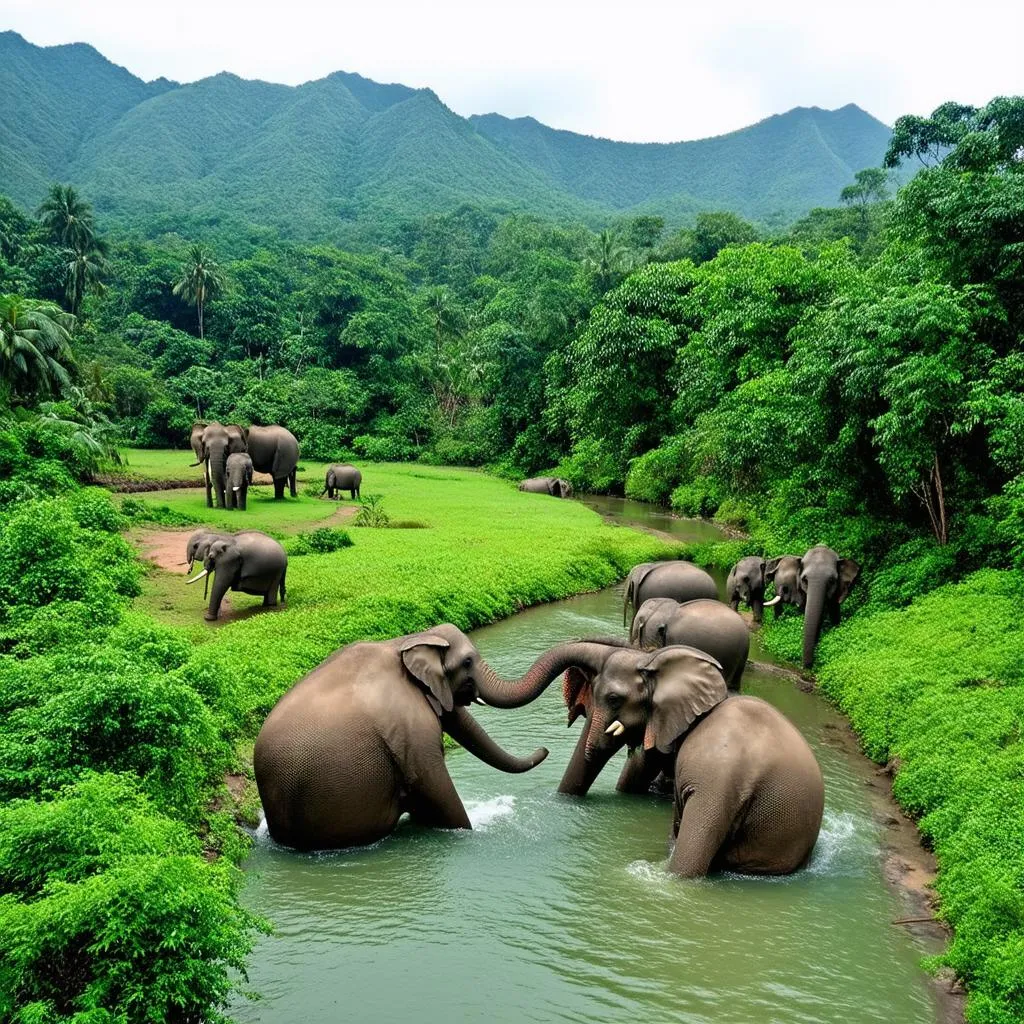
[(784, 572), (236, 438), (196, 440), (682, 581), (342, 477), (214, 448), (274, 450), (239, 477), (357, 742), (249, 563), (710, 626), (746, 583), (748, 793), (199, 544), (825, 580), (553, 485)]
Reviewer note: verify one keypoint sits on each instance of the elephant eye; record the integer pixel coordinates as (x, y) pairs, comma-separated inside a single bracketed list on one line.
[(615, 700), (467, 661)]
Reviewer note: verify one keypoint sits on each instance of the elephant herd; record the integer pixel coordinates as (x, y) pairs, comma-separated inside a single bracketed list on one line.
[(230, 454), (357, 742)]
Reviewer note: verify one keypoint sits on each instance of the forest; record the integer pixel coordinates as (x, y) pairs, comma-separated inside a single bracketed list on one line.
[(855, 377)]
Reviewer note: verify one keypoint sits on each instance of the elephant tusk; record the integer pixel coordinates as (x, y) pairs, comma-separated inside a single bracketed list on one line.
[(615, 729), (196, 579), (236, 488), (480, 701), (774, 601)]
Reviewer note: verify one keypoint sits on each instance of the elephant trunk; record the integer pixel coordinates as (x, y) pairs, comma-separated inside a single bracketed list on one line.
[(467, 731), (514, 693), (588, 759), (814, 610)]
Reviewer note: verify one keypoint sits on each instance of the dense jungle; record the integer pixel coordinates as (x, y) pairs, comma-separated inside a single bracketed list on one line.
[(853, 377)]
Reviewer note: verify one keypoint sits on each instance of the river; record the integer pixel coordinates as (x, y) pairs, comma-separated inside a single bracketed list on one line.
[(555, 909)]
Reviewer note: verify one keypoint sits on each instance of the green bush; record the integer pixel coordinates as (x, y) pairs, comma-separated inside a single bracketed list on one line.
[(136, 510), (653, 476), (371, 512), (321, 541), (700, 497), (95, 510)]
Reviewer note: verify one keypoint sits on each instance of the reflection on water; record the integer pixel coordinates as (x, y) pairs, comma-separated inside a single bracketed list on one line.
[(555, 909)]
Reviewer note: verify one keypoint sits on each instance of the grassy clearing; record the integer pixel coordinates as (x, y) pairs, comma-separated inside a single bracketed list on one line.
[(486, 552)]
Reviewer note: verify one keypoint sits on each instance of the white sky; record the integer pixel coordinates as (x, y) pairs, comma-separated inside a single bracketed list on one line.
[(639, 70)]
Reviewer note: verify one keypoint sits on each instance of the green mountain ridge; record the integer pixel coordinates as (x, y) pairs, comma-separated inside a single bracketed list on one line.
[(343, 153)]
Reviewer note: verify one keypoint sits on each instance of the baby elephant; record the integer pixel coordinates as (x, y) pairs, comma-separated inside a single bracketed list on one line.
[(746, 583), (709, 626), (248, 563), (239, 476), (342, 478), (553, 485)]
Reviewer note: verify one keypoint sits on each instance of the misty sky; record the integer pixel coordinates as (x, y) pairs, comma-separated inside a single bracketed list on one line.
[(637, 70)]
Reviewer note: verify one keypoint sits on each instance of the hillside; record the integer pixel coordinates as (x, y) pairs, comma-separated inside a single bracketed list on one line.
[(315, 160)]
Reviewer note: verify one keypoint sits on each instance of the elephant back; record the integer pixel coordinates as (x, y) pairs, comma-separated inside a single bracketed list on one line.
[(273, 450), (712, 627)]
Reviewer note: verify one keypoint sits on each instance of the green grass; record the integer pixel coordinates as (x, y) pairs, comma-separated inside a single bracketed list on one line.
[(486, 552)]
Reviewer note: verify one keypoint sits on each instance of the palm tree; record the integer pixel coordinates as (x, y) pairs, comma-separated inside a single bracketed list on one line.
[(201, 280), (608, 259), (85, 269), (35, 343), (68, 218)]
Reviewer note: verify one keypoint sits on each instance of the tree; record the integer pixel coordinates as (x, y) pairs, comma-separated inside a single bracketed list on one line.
[(608, 260), (201, 280), (870, 186), (68, 218), (85, 269), (35, 344)]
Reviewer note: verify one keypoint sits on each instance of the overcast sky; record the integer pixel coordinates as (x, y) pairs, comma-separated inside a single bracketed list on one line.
[(638, 70)]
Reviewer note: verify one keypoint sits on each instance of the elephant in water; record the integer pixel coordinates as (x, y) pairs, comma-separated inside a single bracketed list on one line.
[(342, 477), (357, 742), (824, 580), (274, 450), (746, 583), (748, 792), (239, 477), (216, 443), (249, 563), (682, 581), (710, 626), (553, 485)]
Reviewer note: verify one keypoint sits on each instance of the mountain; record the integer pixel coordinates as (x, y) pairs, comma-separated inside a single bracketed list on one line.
[(344, 153)]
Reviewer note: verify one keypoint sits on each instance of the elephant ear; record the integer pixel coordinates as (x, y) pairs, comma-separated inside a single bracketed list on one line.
[(577, 692), (423, 658), (685, 684), (771, 567), (849, 570)]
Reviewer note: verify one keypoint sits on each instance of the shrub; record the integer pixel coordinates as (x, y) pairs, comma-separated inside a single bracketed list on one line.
[(700, 497), (385, 448), (371, 512), (138, 511), (652, 476), (95, 510), (321, 541)]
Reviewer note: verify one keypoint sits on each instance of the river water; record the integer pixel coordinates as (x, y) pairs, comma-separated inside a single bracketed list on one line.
[(555, 909)]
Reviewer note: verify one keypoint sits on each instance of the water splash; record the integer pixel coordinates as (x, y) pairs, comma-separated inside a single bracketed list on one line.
[(483, 813), (844, 843)]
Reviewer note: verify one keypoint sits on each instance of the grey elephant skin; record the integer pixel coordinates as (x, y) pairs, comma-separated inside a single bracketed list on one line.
[(249, 563), (748, 794), (553, 485), (746, 584), (216, 443), (824, 581), (274, 450), (710, 626), (239, 477), (342, 477), (682, 581), (784, 573), (198, 545), (357, 742)]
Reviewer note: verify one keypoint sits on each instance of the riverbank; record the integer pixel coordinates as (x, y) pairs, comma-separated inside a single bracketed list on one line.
[(935, 694)]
